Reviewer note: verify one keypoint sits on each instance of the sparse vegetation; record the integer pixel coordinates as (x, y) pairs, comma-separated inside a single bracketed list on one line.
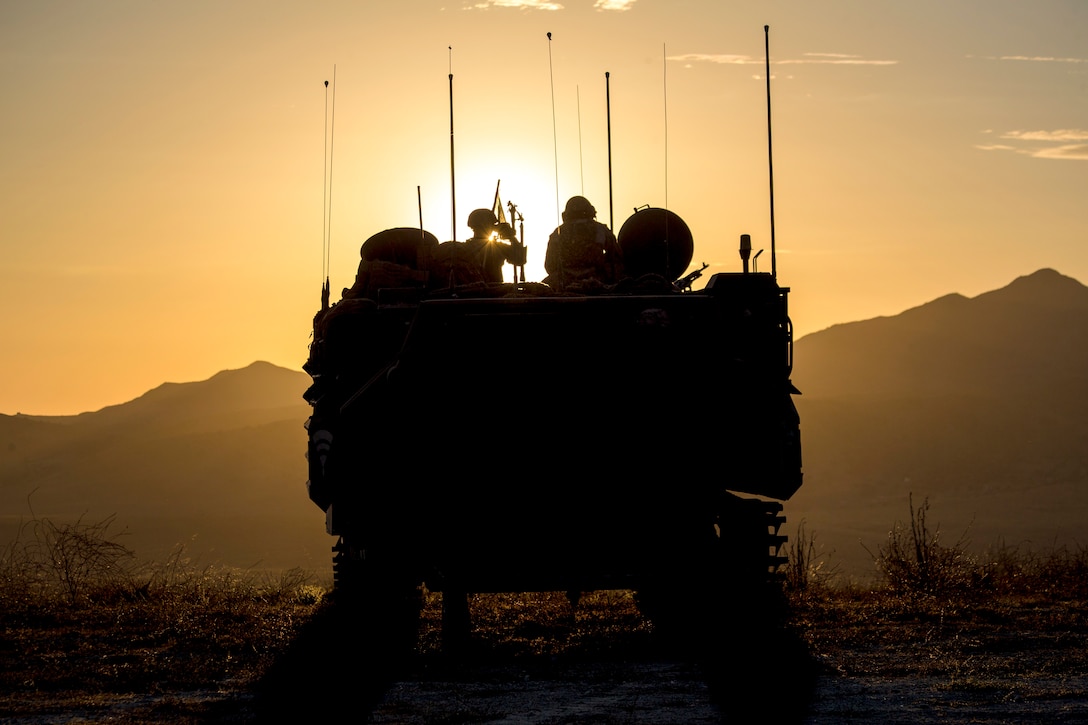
[(72, 561), (85, 625), (1057, 574), (85, 564), (808, 568), (914, 563), (997, 636), (544, 623), (922, 574)]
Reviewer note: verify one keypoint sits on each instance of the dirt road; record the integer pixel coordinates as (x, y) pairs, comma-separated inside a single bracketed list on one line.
[(602, 692)]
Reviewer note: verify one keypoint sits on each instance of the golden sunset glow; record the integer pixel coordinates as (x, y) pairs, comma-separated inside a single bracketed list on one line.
[(162, 181)]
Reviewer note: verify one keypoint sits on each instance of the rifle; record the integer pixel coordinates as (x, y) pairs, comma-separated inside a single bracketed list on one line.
[(685, 282)]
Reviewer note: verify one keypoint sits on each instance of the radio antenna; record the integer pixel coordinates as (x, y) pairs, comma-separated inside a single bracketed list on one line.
[(453, 176), (555, 143), (770, 155), (581, 169), (328, 244), (608, 115), (325, 194), (332, 155), (665, 113), (665, 103)]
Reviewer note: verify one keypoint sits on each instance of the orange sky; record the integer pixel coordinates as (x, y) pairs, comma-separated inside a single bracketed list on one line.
[(162, 180)]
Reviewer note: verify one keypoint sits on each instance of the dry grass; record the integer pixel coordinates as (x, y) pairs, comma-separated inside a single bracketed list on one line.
[(533, 624), (85, 627), (918, 572), (991, 637), (1006, 653), (96, 633), (809, 569), (85, 564)]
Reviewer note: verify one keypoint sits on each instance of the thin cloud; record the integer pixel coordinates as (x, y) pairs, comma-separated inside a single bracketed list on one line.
[(1063, 134), (807, 59), (1076, 152), (1043, 144), (720, 59), (834, 59), (517, 4), (599, 5), (1038, 59)]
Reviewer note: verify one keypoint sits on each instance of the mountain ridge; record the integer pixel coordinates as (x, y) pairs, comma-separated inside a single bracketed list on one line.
[(976, 403), (955, 344), (1040, 286), (183, 460)]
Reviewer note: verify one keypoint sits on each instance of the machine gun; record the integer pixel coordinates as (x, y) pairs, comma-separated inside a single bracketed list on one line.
[(684, 283)]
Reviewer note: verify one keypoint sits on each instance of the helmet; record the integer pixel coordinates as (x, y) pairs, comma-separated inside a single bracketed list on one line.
[(481, 219), (578, 207)]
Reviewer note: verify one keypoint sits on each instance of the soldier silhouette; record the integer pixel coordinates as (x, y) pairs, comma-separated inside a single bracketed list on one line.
[(489, 252), (582, 252)]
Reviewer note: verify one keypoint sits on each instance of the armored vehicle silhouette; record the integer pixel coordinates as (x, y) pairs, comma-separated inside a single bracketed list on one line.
[(519, 437)]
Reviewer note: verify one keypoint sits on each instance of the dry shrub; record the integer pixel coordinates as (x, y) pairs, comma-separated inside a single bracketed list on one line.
[(179, 578), (74, 562), (78, 612), (808, 568), (290, 586), (914, 564), (84, 563), (1058, 573)]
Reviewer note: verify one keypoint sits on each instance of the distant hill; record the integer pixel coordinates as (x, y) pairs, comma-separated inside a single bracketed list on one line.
[(217, 465), (977, 404)]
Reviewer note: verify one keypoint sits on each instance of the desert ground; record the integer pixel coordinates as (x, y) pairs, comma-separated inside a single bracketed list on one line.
[(843, 656), (939, 635)]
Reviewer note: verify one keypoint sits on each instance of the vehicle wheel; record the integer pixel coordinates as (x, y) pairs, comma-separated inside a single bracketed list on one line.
[(725, 586), (384, 601), (749, 557), (679, 596)]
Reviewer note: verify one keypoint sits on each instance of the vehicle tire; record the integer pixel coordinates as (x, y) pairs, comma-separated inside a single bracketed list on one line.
[(384, 601), (725, 587)]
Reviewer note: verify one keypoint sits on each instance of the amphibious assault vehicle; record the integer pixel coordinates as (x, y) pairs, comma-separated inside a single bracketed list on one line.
[(515, 437)]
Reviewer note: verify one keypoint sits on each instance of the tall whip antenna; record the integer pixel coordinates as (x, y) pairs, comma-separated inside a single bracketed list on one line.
[(419, 203), (332, 144), (608, 114), (325, 197), (581, 169), (555, 143), (770, 155), (665, 94), (665, 102), (453, 176)]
